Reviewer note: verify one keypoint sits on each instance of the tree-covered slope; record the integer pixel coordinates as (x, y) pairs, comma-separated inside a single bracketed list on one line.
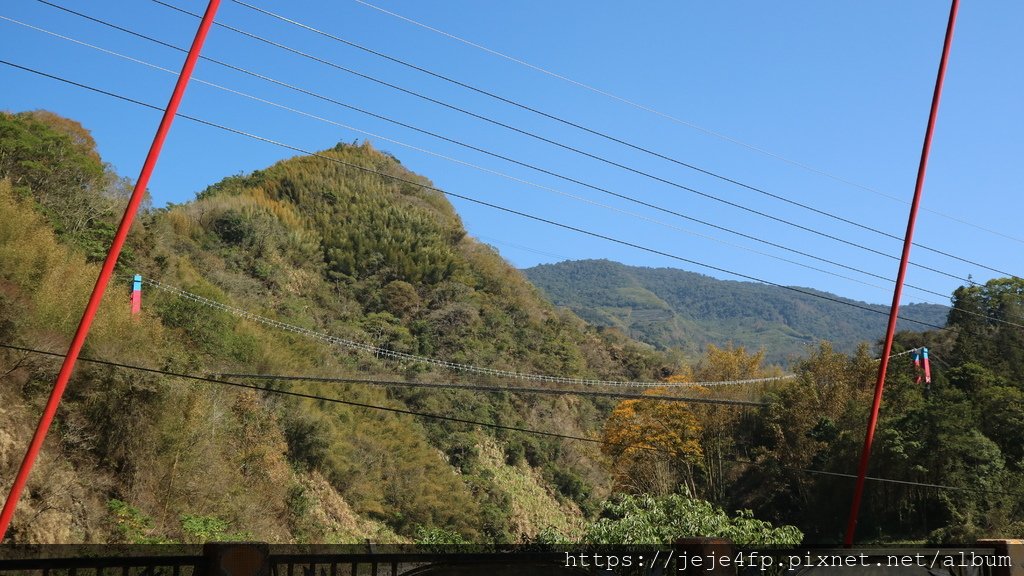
[(667, 307), (172, 454), (317, 244)]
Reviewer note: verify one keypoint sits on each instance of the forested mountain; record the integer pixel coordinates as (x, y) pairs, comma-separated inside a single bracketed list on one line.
[(330, 245), (386, 269), (319, 244), (672, 308)]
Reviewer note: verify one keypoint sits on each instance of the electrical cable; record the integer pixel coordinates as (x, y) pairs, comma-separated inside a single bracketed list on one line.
[(607, 136), (496, 155), (466, 421), (680, 121), (872, 478), (501, 208), (170, 71), (490, 239), (487, 204), (514, 161), (474, 200), (495, 172), (573, 149)]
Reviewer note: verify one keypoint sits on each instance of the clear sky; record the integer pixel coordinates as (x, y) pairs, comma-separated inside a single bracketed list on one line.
[(840, 87)]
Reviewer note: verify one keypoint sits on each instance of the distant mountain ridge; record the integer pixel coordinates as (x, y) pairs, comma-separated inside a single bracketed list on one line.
[(667, 307)]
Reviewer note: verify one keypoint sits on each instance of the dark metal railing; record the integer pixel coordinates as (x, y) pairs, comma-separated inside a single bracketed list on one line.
[(190, 565)]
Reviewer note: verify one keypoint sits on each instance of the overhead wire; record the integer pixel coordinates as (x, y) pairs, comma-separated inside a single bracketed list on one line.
[(492, 171), (494, 206), (603, 135), (683, 122), (491, 239), (490, 153), (475, 200), (437, 416), (542, 170), (496, 426), (499, 156), (470, 422), (504, 209), (321, 398), (465, 367), (570, 148)]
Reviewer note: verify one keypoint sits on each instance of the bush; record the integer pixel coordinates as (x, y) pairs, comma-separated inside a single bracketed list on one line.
[(647, 519)]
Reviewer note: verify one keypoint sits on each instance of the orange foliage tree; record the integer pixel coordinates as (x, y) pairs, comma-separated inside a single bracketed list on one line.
[(654, 445)]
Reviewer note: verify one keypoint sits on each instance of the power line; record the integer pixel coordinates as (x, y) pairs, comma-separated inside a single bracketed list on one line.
[(489, 153), (471, 165), (508, 210), (504, 209), (680, 121), (493, 154), (377, 351), (499, 156), (474, 200), (491, 171), (257, 75), (489, 239), (431, 416), (872, 478), (501, 389), (604, 135), (607, 136), (571, 148)]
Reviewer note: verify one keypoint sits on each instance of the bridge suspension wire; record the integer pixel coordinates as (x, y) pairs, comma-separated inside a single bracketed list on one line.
[(331, 400), (426, 415), (456, 366), (500, 389), (605, 136), (578, 151)]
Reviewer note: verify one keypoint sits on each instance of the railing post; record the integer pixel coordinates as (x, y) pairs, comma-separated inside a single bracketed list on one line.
[(1013, 549), (236, 559)]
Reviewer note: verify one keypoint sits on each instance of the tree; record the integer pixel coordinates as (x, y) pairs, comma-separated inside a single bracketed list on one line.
[(719, 423), (979, 314), (654, 445), (648, 519), (54, 161)]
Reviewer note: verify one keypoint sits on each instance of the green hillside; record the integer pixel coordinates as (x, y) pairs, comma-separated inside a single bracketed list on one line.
[(315, 244), (667, 308), (315, 267)]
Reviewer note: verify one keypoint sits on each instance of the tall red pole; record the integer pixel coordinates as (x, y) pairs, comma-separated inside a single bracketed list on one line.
[(105, 272), (883, 365)]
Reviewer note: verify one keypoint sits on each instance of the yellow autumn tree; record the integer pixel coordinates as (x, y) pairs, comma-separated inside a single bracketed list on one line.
[(718, 422), (654, 444)]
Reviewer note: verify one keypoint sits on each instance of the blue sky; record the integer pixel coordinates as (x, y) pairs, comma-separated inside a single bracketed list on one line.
[(841, 87)]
